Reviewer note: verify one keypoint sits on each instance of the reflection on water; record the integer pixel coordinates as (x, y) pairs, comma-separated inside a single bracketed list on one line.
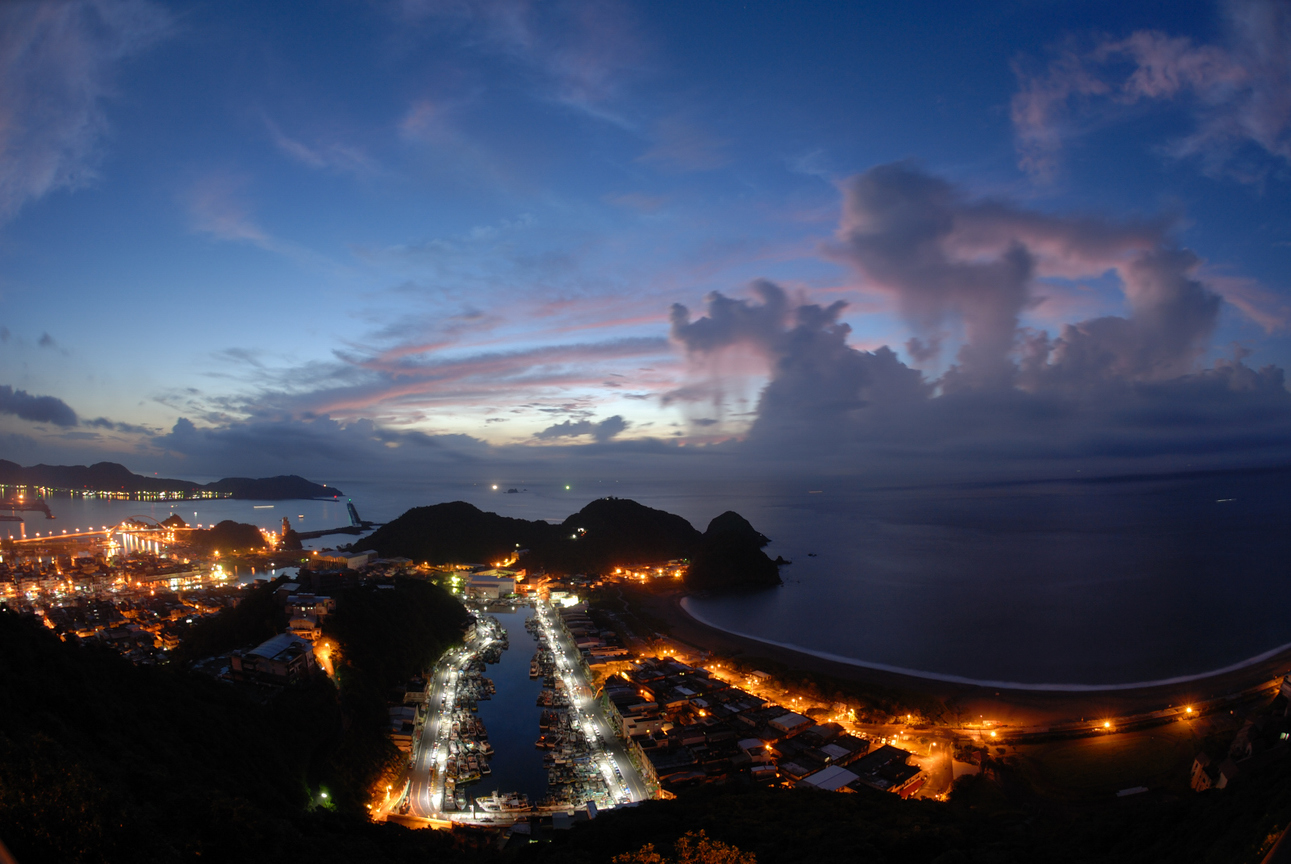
[(511, 717)]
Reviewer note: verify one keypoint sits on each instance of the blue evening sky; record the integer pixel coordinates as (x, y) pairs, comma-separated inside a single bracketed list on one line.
[(474, 218)]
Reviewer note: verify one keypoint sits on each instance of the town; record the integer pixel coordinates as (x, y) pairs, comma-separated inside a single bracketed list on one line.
[(623, 713)]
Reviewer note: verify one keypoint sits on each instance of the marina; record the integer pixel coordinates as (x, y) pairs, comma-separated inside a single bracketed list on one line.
[(476, 762)]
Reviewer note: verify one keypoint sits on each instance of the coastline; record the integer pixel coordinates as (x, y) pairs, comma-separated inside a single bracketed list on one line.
[(1280, 651), (1003, 702)]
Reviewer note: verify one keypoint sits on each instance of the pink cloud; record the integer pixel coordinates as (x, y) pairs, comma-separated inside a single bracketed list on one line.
[(1239, 92)]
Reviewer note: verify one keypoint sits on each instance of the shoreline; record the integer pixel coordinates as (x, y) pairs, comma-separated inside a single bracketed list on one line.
[(1281, 650), (965, 699)]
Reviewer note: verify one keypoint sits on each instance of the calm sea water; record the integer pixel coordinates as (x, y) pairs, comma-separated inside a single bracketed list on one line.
[(1094, 583)]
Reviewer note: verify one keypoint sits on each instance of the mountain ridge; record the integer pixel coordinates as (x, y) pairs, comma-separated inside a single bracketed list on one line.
[(115, 477)]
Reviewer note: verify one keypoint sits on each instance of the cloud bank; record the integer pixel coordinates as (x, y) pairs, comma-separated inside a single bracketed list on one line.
[(989, 396), (36, 409)]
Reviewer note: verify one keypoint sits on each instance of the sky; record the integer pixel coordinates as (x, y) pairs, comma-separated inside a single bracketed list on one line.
[(1021, 239)]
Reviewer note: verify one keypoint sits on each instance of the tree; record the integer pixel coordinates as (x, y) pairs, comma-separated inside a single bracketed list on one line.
[(693, 847)]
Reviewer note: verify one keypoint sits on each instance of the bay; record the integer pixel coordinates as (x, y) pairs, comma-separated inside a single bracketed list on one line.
[(1059, 582)]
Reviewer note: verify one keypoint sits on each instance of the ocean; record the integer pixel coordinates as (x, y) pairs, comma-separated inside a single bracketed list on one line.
[(1064, 582)]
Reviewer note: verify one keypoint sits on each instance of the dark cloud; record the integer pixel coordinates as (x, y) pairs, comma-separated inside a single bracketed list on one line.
[(37, 409), (105, 423), (818, 382), (1106, 394), (4, 334), (46, 341), (728, 322), (953, 261), (602, 431)]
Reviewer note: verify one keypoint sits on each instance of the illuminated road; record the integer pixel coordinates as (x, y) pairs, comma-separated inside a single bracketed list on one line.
[(617, 768), (424, 781), (426, 776)]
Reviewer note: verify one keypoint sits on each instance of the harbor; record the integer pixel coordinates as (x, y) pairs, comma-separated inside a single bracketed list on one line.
[(526, 740)]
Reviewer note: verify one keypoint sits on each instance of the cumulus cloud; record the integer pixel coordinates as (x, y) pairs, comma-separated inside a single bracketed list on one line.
[(818, 382), (1108, 393), (37, 409), (1238, 92), (56, 66), (950, 260), (602, 431)]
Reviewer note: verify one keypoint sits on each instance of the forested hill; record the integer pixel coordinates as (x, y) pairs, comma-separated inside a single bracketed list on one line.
[(113, 477), (607, 533)]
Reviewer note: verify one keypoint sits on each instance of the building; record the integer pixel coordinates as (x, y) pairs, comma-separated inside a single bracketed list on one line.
[(279, 660), (347, 560), (791, 724), (491, 584), (887, 770), (833, 778)]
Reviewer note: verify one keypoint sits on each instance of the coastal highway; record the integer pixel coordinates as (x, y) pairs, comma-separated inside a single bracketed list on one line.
[(626, 784)]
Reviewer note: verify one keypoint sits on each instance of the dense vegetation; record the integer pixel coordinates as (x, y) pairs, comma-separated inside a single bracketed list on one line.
[(613, 532), (607, 533), (730, 556), (385, 636), (227, 536), (455, 532), (257, 616), (101, 761)]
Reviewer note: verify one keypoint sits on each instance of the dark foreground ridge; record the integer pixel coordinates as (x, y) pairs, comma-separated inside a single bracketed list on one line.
[(113, 477), (607, 533), (102, 761)]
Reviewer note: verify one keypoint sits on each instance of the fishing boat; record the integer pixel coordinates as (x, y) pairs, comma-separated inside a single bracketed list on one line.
[(510, 802)]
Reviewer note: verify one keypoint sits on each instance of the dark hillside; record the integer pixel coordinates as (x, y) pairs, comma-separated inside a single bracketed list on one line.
[(227, 536), (385, 636), (614, 532), (455, 532), (730, 556), (279, 488), (114, 477), (102, 761)]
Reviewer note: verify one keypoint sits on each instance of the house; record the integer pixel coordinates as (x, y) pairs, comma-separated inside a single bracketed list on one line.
[(1203, 774), (283, 658), (833, 778), (887, 770), (791, 724), (305, 626)]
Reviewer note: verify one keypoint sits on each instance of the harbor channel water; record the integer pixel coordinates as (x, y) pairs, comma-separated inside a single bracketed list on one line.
[(511, 716)]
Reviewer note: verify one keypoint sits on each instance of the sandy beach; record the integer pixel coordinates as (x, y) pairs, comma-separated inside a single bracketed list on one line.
[(967, 702)]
